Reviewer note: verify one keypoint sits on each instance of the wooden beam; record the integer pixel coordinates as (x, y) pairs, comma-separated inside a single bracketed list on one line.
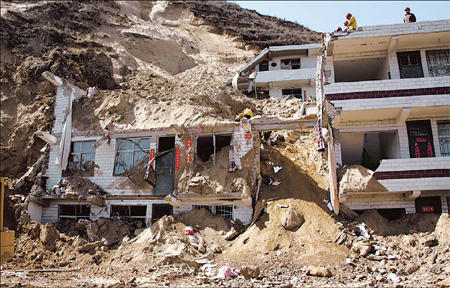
[(50, 139)]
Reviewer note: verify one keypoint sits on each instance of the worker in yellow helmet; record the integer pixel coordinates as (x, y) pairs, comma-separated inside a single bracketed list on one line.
[(247, 113), (351, 25)]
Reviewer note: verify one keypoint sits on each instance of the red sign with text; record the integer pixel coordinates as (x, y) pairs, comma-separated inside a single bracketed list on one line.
[(248, 136), (177, 159), (152, 156), (188, 150)]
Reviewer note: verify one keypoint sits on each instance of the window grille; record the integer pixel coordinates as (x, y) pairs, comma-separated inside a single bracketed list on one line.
[(444, 138), (438, 62), (224, 211), (207, 207)]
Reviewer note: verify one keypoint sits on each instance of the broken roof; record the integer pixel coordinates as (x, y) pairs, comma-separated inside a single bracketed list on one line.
[(273, 51)]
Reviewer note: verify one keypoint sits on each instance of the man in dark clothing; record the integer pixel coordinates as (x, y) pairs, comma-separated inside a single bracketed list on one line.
[(409, 17)]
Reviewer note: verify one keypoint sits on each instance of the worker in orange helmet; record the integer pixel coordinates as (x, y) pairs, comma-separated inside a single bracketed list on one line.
[(409, 17), (351, 25), (247, 113)]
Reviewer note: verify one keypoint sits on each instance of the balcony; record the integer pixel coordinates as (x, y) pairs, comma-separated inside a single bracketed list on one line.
[(297, 77), (414, 174), (386, 99)]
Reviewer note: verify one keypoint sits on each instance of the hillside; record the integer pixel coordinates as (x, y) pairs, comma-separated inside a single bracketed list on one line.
[(145, 54)]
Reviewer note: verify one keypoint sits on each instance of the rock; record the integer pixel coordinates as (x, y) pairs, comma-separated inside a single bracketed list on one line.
[(49, 235), (363, 248), (250, 271), (82, 224), (409, 240), (376, 257), (78, 242), (291, 220), (231, 234), (411, 268), (431, 241), (318, 271), (379, 278)]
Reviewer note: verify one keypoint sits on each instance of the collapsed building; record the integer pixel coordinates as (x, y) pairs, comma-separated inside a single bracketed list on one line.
[(390, 109), (144, 174)]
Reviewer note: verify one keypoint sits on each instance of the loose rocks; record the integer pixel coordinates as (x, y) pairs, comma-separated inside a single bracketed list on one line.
[(291, 220)]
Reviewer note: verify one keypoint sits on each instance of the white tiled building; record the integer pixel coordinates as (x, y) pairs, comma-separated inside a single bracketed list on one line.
[(390, 85)]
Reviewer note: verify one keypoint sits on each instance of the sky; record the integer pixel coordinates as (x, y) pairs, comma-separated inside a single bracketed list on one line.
[(326, 16)]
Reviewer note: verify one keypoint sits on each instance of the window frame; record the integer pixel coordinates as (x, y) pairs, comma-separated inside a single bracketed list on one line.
[(74, 216), (445, 137), (133, 153), (438, 55), (287, 63), (292, 93), (76, 167)]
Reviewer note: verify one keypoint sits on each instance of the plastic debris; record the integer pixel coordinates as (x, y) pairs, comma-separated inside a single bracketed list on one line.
[(276, 169), (394, 278), (227, 271), (363, 230)]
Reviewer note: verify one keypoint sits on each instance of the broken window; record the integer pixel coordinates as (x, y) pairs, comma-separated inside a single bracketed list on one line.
[(208, 146), (161, 210), (410, 64), (125, 212), (264, 66), (131, 152), (420, 139), (292, 93), (207, 207), (224, 211), (368, 149), (444, 137), (290, 64), (74, 211), (438, 62), (81, 159)]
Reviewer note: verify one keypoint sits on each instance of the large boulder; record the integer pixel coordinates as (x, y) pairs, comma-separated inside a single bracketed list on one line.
[(291, 220), (48, 236)]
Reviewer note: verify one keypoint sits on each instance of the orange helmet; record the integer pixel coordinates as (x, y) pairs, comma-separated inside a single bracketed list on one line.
[(348, 15), (407, 8), (253, 109), (345, 23)]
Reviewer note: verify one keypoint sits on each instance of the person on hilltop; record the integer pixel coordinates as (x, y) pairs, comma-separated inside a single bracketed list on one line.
[(351, 24), (409, 17)]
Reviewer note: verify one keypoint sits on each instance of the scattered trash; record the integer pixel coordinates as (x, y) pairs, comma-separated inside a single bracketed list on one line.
[(226, 271), (208, 268), (363, 230), (394, 278), (276, 183), (282, 206), (276, 169)]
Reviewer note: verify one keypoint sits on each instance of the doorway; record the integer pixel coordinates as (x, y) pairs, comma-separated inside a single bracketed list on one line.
[(165, 164)]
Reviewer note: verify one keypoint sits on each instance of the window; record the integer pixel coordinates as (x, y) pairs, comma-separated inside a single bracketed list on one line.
[(292, 93), (81, 159), (122, 211), (161, 210), (438, 62), (264, 66), (208, 146), (207, 207), (130, 153), (224, 211), (444, 137), (289, 64), (420, 139), (221, 210), (74, 211), (410, 64)]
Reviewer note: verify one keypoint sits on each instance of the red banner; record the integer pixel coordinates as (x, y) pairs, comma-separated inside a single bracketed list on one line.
[(248, 136), (152, 156), (188, 150), (177, 159)]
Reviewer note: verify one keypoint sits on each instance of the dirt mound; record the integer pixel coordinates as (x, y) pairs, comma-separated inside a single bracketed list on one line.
[(356, 178), (443, 228), (411, 223), (213, 177)]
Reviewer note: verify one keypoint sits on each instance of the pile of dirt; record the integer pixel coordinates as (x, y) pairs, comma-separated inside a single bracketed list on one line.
[(410, 223), (213, 177), (357, 178)]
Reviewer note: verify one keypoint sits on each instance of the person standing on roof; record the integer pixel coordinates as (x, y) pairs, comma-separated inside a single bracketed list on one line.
[(247, 113), (351, 25), (409, 17)]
